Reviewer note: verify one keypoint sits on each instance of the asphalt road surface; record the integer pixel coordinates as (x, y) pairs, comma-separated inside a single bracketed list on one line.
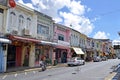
[(89, 71)]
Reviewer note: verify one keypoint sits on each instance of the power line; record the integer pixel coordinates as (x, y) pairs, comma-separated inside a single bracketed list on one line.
[(111, 12)]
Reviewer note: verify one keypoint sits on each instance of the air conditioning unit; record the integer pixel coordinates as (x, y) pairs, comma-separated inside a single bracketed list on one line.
[(26, 32), (14, 32)]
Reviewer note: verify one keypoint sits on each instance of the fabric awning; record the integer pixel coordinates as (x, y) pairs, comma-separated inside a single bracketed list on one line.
[(78, 50), (4, 40), (24, 39), (106, 53)]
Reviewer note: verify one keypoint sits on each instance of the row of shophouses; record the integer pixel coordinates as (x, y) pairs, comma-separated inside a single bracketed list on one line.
[(27, 36)]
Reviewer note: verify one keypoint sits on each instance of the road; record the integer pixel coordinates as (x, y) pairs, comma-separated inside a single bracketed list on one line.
[(89, 71)]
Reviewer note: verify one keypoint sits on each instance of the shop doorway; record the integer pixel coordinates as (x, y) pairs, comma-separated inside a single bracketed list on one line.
[(18, 56), (64, 57), (58, 55), (26, 57), (11, 56)]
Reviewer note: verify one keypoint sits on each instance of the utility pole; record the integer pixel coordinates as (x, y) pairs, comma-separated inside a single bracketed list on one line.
[(118, 50), (119, 33)]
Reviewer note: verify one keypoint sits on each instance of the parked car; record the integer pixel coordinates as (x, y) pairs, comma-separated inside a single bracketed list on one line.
[(75, 61), (97, 59), (104, 58)]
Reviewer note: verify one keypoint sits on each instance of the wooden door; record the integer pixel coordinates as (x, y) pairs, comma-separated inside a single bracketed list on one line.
[(18, 56)]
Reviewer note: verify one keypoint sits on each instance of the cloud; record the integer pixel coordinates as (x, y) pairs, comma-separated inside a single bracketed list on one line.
[(67, 12), (27, 4), (95, 19), (76, 7), (101, 35), (21, 1), (79, 23), (89, 9), (50, 7)]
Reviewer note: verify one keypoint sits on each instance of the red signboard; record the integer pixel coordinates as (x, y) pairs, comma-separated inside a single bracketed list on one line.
[(12, 3)]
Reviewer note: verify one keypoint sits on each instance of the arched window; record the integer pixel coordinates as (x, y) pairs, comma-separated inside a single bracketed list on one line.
[(28, 23), (13, 19), (21, 22)]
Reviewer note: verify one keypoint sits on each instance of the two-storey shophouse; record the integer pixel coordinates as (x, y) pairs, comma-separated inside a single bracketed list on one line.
[(62, 38), (3, 40), (44, 32), (97, 47), (83, 43), (20, 30), (89, 49), (75, 42), (106, 47)]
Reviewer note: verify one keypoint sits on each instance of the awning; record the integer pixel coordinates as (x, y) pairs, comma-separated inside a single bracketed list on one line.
[(106, 53), (4, 40), (23, 39), (78, 50)]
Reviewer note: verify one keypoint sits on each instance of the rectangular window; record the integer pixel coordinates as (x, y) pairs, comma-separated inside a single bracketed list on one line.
[(21, 22), (41, 29), (13, 19), (61, 37), (28, 23), (1, 10)]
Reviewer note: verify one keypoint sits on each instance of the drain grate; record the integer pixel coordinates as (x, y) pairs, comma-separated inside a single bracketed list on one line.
[(49, 75), (73, 73)]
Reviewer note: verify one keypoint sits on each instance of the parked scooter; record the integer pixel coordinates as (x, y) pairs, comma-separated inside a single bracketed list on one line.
[(43, 65)]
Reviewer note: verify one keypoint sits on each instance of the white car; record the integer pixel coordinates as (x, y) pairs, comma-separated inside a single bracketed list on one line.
[(75, 61)]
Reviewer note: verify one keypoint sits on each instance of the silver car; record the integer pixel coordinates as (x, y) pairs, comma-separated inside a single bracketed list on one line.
[(75, 61), (97, 59)]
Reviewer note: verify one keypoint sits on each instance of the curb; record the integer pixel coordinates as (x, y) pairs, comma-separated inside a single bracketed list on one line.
[(32, 69), (21, 71), (110, 76)]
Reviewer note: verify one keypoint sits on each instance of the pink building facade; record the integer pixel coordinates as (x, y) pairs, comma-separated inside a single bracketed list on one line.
[(62, 48)]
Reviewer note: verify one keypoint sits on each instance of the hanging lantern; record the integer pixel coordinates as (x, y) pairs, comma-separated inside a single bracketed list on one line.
[(12, 3)]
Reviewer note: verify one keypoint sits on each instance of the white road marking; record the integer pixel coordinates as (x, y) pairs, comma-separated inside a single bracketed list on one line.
[(16, 75), (25, 73), (4, 77), (34, 72)]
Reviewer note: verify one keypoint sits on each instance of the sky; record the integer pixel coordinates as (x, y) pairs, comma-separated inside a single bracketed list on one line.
[(99, 19)]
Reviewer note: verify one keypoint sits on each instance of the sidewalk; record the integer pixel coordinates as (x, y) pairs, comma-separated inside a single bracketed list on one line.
[(27, 69)]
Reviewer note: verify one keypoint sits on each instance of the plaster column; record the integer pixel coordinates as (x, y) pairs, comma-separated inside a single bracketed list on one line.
[(32, 56), (5, 59), (69, 55), (51, 53), (23, 54)]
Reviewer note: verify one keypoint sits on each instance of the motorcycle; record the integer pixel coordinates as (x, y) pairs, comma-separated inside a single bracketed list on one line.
[(43, 65)]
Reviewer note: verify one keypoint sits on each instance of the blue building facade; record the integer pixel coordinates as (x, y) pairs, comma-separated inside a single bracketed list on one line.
[(1, 58), (3, 53)]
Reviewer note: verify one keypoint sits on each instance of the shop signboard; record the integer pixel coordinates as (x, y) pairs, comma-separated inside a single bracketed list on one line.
[(63, 43)]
